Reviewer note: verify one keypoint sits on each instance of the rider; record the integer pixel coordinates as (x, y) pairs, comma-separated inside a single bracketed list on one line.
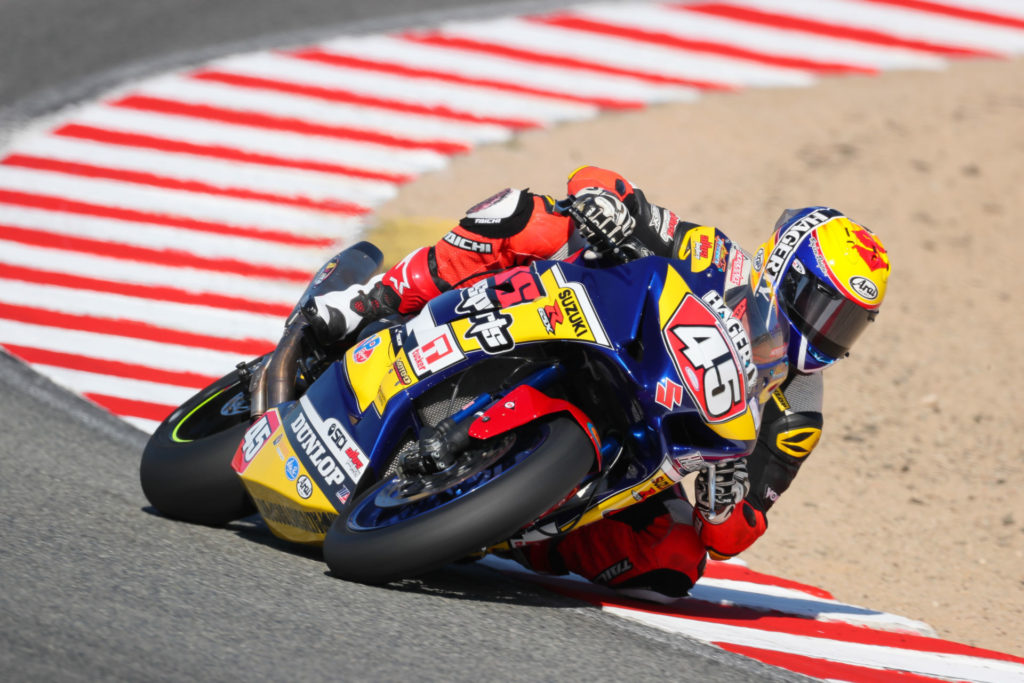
[(828, 273)]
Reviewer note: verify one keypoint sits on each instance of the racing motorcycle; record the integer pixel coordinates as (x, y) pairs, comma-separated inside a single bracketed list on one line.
[(518, 409)]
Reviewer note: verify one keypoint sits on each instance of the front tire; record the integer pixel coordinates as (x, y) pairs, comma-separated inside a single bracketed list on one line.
[(375, 544), (186, 468)]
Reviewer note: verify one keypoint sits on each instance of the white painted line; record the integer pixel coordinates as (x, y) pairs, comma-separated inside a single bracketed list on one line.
[(477, 65), (132, 389), (133, 272), (773, 41), (790, 601), (954, 667), (157, 237), (228, 210), (216, 322), (316, 109), (279, 143), (480, 101), (621, 53), (122, 349), (897, 21), (286, 182)]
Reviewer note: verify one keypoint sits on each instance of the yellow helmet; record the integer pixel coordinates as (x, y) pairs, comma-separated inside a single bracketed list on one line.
[(829, 275)]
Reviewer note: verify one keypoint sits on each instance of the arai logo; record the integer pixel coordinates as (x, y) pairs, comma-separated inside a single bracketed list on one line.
[(864, 287)]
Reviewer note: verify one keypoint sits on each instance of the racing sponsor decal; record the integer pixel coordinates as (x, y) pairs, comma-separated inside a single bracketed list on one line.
[(705, 360), (739, 268), (571, 306), (315, 451), (516, 286), (475, 299), (466, 244), (759, 259), (326, 449), (365, 348), (699, 247), (342, 495), (721, 253), (550, 317), (737, 333), (255, 438), (238, 405), (867, 289), (668, 394), (691, 462), (490, 330), (402, 372), (341, 444), (780, 400), (659, 483), (325, 272), (291, 469), (312, 521), (578, 309), (792, 236), (304, 487), (617, 569), (435, 352)]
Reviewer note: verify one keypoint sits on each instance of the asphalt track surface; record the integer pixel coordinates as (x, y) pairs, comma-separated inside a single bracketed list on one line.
[(98, 587)]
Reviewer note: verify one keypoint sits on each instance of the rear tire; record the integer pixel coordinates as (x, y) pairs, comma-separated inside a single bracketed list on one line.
[(186, 468), (376, 544)]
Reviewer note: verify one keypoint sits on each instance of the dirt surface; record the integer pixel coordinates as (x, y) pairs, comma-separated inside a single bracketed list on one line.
[(912, 502)]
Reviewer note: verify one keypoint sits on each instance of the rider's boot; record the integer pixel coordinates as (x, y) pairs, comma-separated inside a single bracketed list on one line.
[(335, 316)]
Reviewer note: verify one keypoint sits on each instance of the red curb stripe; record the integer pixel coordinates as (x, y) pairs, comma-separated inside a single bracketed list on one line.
[(111, 137), (169, 183), (577, 23), (126, 407), (141, 291), (335, 59), (163, 257), (101, 366), (257, 120), (826, 669), (435, 38), (338, 95), (60, 204), (958, 12), (133, 329), (735, 572), (697, 610), (832, 30)]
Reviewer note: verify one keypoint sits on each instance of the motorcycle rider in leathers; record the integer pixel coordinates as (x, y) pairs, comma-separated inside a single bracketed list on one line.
[(828, 273)]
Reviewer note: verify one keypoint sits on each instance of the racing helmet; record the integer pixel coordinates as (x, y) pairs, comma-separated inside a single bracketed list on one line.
[(829, 275)]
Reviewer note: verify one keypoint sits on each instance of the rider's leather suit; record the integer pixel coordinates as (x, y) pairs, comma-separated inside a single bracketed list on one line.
[(660, 544)]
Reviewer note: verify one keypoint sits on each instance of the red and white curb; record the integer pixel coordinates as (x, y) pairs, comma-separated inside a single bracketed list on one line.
[(153, 239)]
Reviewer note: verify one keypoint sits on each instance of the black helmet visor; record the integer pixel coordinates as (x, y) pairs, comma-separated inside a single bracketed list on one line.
[(830, 322)]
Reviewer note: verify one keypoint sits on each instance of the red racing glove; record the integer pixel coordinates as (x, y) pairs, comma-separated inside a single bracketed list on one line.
[(738, 532)]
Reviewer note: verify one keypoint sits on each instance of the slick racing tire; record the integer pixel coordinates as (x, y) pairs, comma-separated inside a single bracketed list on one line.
[(385, 537), (186, 468)]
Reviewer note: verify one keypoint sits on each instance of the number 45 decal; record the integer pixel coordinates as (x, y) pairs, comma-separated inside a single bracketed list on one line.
[(705, 360)]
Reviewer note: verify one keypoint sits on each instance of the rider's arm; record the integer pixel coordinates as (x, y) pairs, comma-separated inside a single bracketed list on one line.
[(655, 226), (790, 430)]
